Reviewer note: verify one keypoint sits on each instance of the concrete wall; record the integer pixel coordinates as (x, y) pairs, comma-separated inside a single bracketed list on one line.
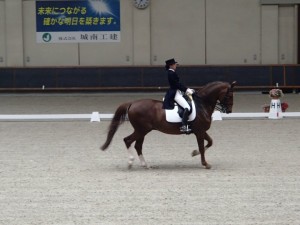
[(287, 34), (102, 54), (38, 54), (279, 34), (14, 33), (195, 32), (233, 32), (269, 34), (2, 35), (178, 30)]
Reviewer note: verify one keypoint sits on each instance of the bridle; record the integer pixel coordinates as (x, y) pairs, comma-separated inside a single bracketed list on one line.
[(222, 105)]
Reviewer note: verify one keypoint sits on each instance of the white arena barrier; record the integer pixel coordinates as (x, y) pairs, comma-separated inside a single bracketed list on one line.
[(94, 117), (274, 113), (255, 115), (97, 117)]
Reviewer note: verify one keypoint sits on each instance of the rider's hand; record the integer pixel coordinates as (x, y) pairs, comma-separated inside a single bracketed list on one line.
[(189, 91)]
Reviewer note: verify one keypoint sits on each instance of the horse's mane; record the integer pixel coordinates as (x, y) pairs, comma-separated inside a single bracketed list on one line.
[(209, 86), (200, 96), (205, 90)]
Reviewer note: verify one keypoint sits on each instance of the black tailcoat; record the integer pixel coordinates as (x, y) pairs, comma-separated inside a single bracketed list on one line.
[(175, 85)]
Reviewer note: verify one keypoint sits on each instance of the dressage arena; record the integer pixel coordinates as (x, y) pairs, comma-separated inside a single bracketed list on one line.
[(53, 172)]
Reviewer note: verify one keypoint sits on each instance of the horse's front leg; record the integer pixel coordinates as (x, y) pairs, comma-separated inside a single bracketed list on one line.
[(209, 144), (200, 140)]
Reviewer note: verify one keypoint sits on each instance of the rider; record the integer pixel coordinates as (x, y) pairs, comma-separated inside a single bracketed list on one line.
[(175, 93)]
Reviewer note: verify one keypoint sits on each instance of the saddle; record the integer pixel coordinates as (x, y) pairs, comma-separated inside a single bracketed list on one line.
[(175, 115)]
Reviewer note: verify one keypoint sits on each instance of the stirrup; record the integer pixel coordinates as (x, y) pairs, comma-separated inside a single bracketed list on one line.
[(185, 129)]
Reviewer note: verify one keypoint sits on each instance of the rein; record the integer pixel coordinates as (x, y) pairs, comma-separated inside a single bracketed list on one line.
[(221, 107)]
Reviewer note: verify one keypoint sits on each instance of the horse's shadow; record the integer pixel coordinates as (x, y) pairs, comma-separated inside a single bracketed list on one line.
[(162, 167)]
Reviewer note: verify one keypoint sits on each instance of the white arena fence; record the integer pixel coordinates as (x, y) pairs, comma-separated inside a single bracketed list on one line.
[(97, 117)]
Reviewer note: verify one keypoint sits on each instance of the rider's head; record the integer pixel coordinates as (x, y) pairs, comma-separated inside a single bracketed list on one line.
[(171, 63)]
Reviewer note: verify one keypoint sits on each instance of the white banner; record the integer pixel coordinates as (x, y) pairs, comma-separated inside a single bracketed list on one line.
[(77, 37)]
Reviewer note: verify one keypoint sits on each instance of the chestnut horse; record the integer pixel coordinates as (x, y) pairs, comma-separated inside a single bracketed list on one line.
[(146, 115)]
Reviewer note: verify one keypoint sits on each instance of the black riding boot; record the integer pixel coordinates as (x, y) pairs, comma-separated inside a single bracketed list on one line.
[(184, 128)]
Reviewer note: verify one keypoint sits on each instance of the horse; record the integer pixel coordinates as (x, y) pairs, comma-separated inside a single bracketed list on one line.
[(146, 115)]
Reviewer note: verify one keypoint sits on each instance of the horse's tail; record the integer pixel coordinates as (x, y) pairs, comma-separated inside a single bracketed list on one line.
[(118, 119)]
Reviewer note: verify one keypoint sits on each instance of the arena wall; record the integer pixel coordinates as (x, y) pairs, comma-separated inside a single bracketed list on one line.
[(198, 33), (151, 78)]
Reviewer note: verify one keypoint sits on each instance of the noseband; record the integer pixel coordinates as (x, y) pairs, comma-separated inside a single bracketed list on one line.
[(222, 105)]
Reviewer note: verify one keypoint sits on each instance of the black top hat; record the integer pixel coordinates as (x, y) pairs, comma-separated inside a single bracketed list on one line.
[(170, 62)]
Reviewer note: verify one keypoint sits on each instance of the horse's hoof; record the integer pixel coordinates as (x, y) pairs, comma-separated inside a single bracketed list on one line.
[(207, 166), (145, 166), (153, 167), (130, 162), (194, 153)]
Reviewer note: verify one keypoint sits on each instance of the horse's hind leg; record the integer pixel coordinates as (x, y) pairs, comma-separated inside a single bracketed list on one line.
[(138, 146), (209, 144), (139, 139), (128, 141)]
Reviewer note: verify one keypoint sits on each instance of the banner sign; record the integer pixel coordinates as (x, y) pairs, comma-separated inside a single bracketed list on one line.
[(78, 21)]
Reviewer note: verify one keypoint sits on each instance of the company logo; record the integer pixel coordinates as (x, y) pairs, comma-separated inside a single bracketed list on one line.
[(46, 37)]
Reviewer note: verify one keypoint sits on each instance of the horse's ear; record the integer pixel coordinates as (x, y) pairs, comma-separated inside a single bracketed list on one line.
[(233, 84)]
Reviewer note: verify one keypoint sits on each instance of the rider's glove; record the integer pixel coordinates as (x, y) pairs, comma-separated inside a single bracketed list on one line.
[(189, 91)]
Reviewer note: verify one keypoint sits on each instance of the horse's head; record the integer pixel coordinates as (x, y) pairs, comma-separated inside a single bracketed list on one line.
[(225, 100)]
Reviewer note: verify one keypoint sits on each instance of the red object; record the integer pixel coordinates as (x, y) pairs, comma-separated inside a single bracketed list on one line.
[(284, 106)]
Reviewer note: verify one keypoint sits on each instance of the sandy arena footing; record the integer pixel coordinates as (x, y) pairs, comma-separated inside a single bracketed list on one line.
[(55, 173)]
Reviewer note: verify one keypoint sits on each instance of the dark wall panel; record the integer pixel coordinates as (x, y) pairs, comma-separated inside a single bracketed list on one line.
[(293, 75), (119, 77), (277, 75), (35, 78), (249, 75), (78, 77), (246, 76), (6, 78), (146, 77), (154, 77)]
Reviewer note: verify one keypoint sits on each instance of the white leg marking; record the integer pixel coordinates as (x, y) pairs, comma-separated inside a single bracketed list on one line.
[(130, 158), (143, 162)]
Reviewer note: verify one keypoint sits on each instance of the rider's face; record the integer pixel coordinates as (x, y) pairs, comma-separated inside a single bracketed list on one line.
[(173, 66)]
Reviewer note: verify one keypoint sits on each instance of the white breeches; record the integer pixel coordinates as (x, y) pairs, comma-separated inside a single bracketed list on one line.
[(181, 101)]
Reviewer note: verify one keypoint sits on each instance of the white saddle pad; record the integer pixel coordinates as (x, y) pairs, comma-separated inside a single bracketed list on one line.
[(173, 117)]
